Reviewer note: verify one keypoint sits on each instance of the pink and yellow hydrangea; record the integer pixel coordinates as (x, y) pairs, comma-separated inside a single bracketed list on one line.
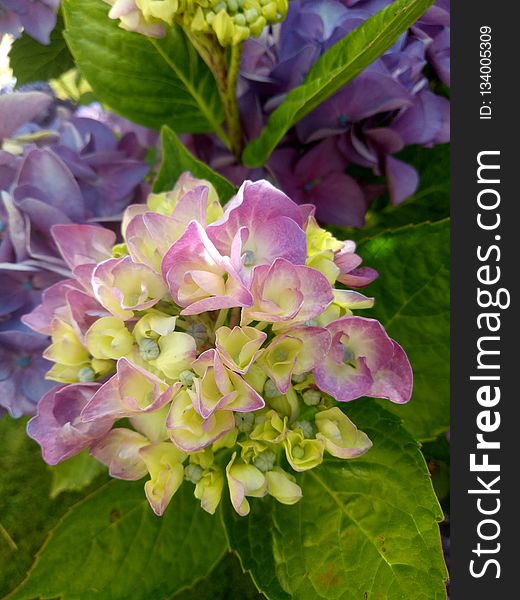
[(225, 338)]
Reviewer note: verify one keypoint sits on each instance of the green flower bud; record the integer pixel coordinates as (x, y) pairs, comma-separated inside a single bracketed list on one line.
[(269, 10), (311, 397), (270, 390), (265, 460), (193, 473), (299, 378), (86, 375), (149, 349), (251, 15), (232, 5), (257, 26), (186, 378), (305, 427), (244, 421)]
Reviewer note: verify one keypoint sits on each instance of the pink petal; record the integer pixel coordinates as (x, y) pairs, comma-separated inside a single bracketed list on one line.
[(394, 381), (83, 244)]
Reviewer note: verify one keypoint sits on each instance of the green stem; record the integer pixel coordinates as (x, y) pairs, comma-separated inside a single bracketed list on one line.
[(230, 101), (226, 76)]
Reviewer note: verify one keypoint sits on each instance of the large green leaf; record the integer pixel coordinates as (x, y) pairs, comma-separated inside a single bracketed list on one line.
[(365, 528), (75, 474), (152, 82), (32, 61), (111, 545), (27, 513), (413, 302), (334, 69), (176, 159)]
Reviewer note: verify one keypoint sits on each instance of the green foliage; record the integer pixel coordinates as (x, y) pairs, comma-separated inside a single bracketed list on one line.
[(112, 543), (75, 474), (334, 69), (27, 513), (226, 582), (437, 455), (32, 61), (176, 159), (431, 202), (365, 528), (413, 302), (152, 82)]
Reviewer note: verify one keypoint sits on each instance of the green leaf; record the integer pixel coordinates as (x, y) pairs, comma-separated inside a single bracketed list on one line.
[(27, 513), (365, 529), (111, 545), (431, 202), (151, 82), (176, 159), (32, 61), (75, 474), (334, 69), (413, 303), (227, 581)]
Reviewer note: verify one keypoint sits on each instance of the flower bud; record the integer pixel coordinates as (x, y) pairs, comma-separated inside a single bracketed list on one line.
[(311, 397), (265, 460)]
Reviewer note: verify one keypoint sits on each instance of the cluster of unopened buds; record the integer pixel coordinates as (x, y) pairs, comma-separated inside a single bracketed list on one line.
[(232, 21), (211, 346)]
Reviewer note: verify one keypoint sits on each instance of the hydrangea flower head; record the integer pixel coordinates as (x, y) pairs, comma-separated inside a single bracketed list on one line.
[(226, 339), (231, 21), (56, 167)]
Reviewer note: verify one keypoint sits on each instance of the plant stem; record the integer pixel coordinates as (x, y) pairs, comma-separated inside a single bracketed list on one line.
[(226, 76), (230, 101)]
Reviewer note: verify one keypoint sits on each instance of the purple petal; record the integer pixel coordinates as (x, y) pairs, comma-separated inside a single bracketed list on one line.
[(57, 426), (394, 381), (43, 169), (83, 244), (19, 108), (402, 179)]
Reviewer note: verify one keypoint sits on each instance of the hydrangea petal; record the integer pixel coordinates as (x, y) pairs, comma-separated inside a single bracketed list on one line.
[(164, 463), (199, 278), (122, 286), (83, 244), (119, 451), (57, 426), (340, 436), (132, 390)]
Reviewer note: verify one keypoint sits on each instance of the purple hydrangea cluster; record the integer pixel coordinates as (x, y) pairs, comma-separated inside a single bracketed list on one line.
[(36, 17), (387, 107), (213, 345), (55, 167)]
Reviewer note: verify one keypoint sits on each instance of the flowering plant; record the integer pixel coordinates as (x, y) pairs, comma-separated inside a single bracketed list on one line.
[(195, 316), (221, 334)]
